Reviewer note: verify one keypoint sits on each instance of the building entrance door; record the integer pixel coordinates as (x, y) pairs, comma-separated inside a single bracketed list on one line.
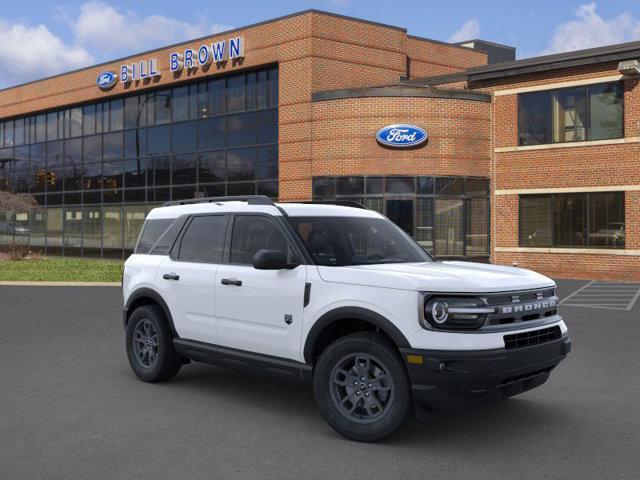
[(400, 212)]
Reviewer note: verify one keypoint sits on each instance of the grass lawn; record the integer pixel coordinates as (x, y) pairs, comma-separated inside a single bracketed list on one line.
[(61, 270)]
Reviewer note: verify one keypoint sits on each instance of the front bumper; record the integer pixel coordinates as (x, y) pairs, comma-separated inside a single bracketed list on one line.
[(449, 380)]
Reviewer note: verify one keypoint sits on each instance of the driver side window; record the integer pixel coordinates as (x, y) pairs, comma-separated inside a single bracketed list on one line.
[(252, 233)]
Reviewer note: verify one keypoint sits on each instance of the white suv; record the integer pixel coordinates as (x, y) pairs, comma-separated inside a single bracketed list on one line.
[(338, 296)]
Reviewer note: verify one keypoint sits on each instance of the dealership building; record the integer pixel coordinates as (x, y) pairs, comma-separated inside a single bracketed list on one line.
[(533, 162)]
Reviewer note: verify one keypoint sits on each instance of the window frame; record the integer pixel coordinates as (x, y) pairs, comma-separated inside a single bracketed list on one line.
[(552, 93), (588, 196)]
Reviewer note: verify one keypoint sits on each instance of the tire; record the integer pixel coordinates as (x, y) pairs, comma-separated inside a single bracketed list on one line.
[(384, 403), (151, 356)]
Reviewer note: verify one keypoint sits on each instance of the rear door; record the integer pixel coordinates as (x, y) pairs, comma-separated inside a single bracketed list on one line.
[(259, 310), (187, 277)]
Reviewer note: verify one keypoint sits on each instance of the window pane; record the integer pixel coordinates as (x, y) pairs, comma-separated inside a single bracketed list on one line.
[(400, 185), (211, 167), (267, 163), (449, 186), (241, 130), (241, 164), (477, 226), (161, 171), (607, 220), (270, 189), (75, 122), (72, 230), (449, 227), (250, 91), (91, 231), (89, 120), (244, 188), (324, 187), (92, 176), (374, 186), (184, 169), (261, 89), (272, 93), (54, 230), (131, 112), (534, 118), (253, 233), (425, 185), (211, 133), (112, 231), (41, 129), (606, 104), (570, 115), (203, 240), (536, 217), (21, 169), (235, 93), (477, 187), (92, 149), (570, 217), (52, 126), (350, 186), (162, 107), (133, 220), (424, 227), (135, 172), (215, 95), (72, 164), (112, 146), (180, 102), (268, 126), (158, 140), (135, 143), (37, 227), (8, 134), (184, 137), (112, 175), (116, 115)]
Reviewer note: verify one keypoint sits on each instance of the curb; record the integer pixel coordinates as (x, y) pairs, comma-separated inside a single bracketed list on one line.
[(60, 284)]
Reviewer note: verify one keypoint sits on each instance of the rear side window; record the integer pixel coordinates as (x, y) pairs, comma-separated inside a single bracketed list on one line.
[(168, 238), (151, 233), (204, 240)]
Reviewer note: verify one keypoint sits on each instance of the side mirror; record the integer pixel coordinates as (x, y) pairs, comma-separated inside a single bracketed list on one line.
[(271, 260)]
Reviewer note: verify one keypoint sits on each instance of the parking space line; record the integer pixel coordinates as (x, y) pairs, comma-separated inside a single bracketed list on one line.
[(576, 292), (612, 296)]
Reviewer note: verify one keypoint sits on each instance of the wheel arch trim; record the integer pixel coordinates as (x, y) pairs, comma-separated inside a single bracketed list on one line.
[(145, 292), (356, 313)]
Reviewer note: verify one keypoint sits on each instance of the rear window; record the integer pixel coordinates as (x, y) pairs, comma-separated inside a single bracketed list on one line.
[(151, 233)]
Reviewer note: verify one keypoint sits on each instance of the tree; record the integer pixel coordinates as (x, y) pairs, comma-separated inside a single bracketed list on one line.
[(16, 202)]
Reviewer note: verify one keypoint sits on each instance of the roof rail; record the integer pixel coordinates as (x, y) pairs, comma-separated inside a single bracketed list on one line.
[(250, 199), (342, 203)]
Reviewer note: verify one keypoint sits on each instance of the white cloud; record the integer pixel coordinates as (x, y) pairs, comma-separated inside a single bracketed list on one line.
[(28, 52), (469, 31), (591, 30), (104, 29)]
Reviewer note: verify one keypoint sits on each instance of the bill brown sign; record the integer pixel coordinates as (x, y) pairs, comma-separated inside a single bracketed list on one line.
[(189, 59)]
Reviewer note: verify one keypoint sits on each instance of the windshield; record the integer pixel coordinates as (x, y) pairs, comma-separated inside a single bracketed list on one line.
[(342, 241)]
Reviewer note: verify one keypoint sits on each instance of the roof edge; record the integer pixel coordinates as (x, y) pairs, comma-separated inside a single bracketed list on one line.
[(400, 90)]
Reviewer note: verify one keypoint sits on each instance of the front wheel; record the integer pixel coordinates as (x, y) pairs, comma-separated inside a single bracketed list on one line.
[(362, 388), (150, 345)]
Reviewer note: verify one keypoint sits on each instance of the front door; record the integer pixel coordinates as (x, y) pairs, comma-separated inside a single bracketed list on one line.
[(400, 212), (259, 310)]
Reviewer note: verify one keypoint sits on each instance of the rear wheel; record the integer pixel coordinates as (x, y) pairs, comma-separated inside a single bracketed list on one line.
[(150, 345), (362, 388)]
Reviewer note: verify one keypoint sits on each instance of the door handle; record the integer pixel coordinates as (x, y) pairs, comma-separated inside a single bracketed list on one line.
[(231, 281), (171, 276)]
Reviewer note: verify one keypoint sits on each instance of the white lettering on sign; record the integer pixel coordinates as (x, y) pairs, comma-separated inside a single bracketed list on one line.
[(401, 135)]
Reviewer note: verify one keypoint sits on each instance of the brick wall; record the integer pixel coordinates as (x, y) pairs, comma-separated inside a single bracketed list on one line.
[(580, 167)]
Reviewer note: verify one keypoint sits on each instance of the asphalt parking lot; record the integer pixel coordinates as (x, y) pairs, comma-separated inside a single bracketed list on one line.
[(70, 408)]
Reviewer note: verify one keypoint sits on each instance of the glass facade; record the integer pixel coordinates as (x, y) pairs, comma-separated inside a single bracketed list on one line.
[(96, 169), (448, 216)]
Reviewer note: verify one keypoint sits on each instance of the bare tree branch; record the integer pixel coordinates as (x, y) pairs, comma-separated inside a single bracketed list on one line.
[(16, 202)]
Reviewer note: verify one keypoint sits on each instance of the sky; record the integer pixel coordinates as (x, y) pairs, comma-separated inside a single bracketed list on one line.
[(39, 38)]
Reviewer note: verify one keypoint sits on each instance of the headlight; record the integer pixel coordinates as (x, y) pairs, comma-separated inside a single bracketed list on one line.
[(457, 313)]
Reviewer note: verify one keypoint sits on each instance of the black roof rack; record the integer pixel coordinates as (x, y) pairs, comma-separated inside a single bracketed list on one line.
[(250, 199), (342, 203)]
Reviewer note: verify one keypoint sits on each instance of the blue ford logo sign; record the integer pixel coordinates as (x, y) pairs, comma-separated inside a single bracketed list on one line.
[(401, 136), (106, 80)]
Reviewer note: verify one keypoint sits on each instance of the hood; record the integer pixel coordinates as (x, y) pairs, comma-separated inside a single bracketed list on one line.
[(454, 277)]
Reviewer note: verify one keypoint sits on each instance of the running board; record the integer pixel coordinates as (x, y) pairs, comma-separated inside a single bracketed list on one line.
[(242, 360)]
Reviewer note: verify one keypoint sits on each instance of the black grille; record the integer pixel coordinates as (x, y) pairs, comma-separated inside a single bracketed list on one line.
[(535, 337), (523, 306)]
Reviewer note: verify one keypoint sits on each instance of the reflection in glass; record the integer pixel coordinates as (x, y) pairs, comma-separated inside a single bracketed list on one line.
[(449, 227), (112, 232)]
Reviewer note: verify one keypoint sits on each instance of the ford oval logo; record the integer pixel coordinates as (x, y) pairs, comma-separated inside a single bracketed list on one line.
[(401, 136), (106, 80)]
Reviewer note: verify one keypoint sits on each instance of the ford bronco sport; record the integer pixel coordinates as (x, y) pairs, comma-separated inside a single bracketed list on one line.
[(337, 296)]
